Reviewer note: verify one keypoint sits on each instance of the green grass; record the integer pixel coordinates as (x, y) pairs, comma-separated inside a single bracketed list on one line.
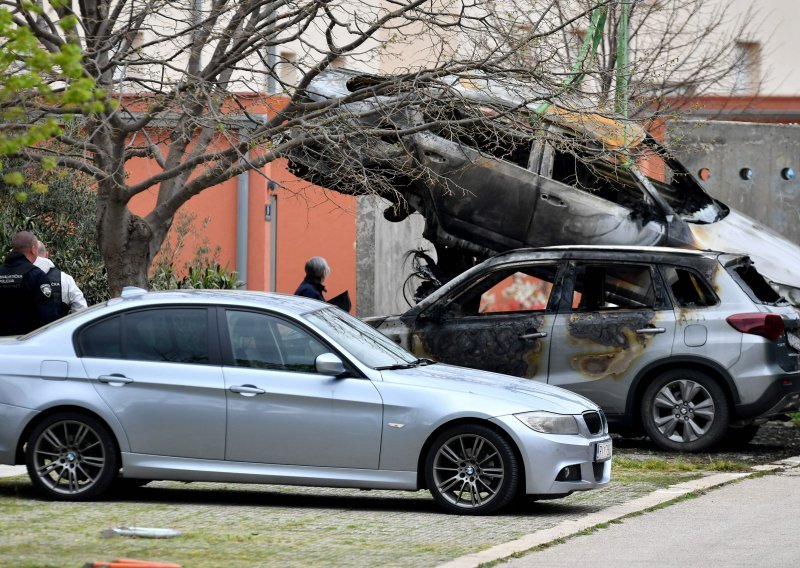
[(247, 525), (677, 464), (795, 416), (240, 526)]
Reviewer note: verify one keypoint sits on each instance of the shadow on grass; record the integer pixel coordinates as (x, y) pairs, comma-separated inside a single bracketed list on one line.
[(303, 498)]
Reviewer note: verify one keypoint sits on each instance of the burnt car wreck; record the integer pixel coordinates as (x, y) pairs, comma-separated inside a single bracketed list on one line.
[(487, 179), (687, 346)]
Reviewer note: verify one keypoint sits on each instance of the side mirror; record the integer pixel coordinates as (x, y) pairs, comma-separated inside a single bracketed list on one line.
[(329, 364)]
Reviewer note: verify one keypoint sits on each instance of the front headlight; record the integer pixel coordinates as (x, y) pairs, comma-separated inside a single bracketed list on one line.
[(549, 422)]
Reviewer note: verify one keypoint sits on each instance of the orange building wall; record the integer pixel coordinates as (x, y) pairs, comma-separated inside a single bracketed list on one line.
[(310, 222), (314, 222)]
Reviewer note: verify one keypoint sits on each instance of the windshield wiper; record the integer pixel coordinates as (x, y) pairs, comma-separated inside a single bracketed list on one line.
[(416, 363), (397, 366)]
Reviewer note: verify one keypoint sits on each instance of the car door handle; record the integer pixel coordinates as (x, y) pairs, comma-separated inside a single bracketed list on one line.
[(651, 330), (247, 390), (535, 335), (114, 379), (553, 200)]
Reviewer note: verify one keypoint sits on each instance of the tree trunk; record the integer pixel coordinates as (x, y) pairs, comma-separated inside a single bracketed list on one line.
[(125, 245)]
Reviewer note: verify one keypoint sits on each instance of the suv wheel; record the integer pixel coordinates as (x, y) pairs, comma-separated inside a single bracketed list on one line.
[(685, 410)]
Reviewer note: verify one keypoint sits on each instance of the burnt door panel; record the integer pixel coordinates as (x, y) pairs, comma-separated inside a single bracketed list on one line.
[(513, 345), (566, 216), (500, 323), (483, 200), (616, 324)]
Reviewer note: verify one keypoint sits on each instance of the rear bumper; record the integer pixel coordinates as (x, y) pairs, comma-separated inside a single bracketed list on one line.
[(782, 395)]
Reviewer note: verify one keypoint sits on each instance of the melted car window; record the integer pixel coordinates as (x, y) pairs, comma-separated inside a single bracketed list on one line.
[(618, 286), (519, 292), (688, 289), (755, 285), (517, 289)]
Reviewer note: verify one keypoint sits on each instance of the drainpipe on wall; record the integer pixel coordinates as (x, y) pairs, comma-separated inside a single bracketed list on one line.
[(273, 236), (242, 213)]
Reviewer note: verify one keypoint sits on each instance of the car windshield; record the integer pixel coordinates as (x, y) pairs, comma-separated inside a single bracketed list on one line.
[(369, 346)]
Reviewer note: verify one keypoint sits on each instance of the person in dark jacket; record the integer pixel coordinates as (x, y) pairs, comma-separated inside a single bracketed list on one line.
[(26, 297), (312, 285)]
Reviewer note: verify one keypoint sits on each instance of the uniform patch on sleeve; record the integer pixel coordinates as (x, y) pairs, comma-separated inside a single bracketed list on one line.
[(46, 290)]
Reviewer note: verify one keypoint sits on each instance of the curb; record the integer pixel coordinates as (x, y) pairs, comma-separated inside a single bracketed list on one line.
[(12, 470), (573, 527)]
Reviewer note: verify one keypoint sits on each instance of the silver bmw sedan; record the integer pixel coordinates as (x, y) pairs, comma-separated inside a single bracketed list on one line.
[(252, 387)]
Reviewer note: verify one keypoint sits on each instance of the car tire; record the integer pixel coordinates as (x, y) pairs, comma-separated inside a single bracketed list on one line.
[(71, 457), (685, 410), (472, 470)]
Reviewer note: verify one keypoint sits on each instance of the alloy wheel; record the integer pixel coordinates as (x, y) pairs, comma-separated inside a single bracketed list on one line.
[(683, 410), (468, 471), (69, 457)]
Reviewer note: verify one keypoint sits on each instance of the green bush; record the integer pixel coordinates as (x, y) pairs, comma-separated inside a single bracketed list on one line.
[(202, 271), (60, 210)]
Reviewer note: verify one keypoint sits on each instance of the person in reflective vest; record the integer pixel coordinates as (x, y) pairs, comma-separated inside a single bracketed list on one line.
[(26, 296), (66, 294)]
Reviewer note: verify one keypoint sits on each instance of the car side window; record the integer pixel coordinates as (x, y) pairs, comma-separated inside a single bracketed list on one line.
[(518, 289), (174, 335), (613, 286), (102, 339), (263, 341), (688, 289)]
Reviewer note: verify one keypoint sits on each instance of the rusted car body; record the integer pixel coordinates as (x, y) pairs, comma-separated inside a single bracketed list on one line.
[(571, 178), (686, 346)]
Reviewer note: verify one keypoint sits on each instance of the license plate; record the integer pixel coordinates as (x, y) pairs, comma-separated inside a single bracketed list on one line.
[(602, 451), (794, 341)]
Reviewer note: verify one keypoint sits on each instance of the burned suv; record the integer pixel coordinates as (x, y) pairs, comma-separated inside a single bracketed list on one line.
[(686, 346)]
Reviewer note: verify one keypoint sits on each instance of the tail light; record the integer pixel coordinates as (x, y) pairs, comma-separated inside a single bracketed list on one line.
[(766, 325)]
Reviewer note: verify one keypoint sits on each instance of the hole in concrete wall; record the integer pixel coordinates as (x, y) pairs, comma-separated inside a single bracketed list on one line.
[(704, 174), (787, 173), (746, 174)]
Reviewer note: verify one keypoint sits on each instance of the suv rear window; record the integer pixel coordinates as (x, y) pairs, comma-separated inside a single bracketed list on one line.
[(754, 284)]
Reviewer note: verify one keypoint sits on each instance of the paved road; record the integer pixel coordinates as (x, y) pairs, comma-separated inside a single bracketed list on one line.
[(749, 523)]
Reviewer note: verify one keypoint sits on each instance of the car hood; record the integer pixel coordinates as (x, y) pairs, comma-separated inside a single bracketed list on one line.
[(501, 394), (774, 255)]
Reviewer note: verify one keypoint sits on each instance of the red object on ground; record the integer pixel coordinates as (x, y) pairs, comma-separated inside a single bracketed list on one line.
[(131, 563)]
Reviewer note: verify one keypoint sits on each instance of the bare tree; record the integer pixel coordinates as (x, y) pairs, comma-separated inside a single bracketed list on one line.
[(190, 83), (676, 50), (187, 84)]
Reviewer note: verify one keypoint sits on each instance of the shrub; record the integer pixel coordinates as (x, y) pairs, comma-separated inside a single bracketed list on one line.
[(60, 209), (202, 271)]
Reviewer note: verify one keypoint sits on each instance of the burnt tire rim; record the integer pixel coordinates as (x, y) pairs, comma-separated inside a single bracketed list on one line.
[(468, 471), (69, 457), (683, 411)]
